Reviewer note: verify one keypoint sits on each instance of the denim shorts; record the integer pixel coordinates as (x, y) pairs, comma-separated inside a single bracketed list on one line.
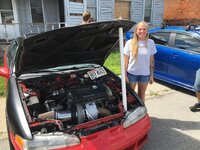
[(197, 81), (138, 78)]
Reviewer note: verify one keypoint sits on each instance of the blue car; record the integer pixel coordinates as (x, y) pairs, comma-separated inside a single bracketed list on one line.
[(178, 55)]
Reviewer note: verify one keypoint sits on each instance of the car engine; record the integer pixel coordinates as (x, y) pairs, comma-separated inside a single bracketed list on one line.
[(74, 101)]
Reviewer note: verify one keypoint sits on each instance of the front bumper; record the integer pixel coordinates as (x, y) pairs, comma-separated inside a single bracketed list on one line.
[(116, 138)]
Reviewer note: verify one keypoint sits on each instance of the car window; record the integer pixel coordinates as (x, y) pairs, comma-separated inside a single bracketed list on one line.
[(160, 37), (187, 42)]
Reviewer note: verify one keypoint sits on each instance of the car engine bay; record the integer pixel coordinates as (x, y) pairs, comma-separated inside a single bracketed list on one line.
[(81, 102)]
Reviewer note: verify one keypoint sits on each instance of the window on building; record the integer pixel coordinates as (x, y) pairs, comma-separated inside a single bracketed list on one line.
[(6, 11), (36, 11), (92, 7), (147, 11), (122, 9)]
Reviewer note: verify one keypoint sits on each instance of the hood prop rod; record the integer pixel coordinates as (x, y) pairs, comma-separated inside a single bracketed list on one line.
[(123, 82)]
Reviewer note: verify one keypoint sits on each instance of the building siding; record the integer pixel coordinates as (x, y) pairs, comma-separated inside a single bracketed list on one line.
[(158, 12), (73, 12), (137, 10), (106, 10), (72, 16)]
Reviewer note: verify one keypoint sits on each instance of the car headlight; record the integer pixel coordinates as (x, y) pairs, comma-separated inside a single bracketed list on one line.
[(50, 141), (133, 116)]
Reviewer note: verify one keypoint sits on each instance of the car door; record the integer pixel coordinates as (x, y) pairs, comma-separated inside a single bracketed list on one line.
[(185, 59), (162, 57)]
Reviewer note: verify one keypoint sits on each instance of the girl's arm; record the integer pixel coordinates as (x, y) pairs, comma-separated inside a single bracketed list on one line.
[(126, 60), (151, 69)]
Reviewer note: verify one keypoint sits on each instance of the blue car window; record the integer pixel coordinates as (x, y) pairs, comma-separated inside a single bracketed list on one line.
[(187, 42), (160, 37)]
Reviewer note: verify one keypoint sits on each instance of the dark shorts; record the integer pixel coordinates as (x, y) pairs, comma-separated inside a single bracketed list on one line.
[(138, 78), (197, 81)]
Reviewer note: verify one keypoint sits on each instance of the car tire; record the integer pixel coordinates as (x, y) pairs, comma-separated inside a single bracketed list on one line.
[(8, 129)]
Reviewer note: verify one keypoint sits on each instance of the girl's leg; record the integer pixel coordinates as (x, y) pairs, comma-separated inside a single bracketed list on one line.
[(141, 90), (132, 85)]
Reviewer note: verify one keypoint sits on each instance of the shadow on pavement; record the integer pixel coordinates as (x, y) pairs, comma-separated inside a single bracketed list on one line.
[(170, 134), (182, 90)]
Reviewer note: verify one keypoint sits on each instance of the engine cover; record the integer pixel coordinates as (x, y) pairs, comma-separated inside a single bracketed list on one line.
[(89, 93)]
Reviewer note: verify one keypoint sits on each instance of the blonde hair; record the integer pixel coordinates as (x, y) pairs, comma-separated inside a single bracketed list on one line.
[(134, 42), (86, 16)]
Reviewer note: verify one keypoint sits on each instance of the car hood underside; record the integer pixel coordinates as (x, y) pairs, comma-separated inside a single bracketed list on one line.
[(90, 43)]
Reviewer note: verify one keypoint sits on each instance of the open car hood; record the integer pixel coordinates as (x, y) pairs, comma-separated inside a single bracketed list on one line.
[(89, 43)]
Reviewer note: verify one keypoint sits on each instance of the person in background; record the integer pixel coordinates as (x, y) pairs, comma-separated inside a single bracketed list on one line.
[(139, 59), (196, 106), (86, 17)]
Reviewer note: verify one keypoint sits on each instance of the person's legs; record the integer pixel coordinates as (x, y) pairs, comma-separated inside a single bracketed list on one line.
[(198, 96), (197, 85), (142, 90), (196, 106), (142, 86), (197, 82), (132, 81), (132, 85)]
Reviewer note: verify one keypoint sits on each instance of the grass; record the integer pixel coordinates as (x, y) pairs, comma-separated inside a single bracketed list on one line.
[(2, 90), (113, 62)]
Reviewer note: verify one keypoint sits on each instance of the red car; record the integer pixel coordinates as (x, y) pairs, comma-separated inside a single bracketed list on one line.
[(60, 96)]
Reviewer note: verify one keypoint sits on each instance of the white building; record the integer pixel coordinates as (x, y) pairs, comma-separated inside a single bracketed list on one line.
[(18, 17)]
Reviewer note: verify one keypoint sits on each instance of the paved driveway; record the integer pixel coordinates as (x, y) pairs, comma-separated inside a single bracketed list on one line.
[(174, 126)]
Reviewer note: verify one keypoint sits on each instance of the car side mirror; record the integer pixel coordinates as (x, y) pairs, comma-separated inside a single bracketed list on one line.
[(4, 72)]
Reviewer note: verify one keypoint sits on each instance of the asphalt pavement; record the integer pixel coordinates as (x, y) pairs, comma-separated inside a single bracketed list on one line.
[(174, 126)]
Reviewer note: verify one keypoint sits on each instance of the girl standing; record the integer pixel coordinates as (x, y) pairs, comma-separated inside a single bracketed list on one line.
[(139, 59)]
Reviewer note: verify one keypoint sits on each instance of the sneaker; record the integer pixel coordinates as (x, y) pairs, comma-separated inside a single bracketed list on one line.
[(195, 108)]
